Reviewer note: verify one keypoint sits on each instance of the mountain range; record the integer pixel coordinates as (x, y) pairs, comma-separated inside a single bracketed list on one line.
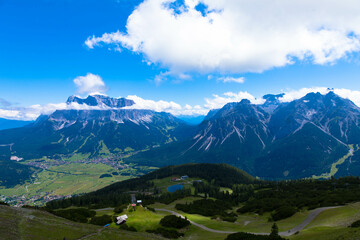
[(273, 140), (95, 132), (9, 123)]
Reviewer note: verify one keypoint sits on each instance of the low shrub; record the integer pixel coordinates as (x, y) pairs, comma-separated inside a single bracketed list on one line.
[(151, 209), (105, 175), (166, 233), (283, 212), (173, 221), (101, 220), (229, 219), (75, 214), (355, 224), (127, 228), (120, 208)]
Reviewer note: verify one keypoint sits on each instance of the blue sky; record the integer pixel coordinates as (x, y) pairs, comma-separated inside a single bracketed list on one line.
[(42, 50)]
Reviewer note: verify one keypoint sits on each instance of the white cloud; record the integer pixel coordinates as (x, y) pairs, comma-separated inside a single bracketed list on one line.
[(219, 101), (216, 102), (165, 106), (296, 94), (9, 114), (232, 79), (34, 111), (239, 36), (90, 83), (352, 95)]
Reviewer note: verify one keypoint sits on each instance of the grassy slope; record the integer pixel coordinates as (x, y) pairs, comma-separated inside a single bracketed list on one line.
[(245, 222), (327, 233), (333, 224), (28, 224), (18, 223)]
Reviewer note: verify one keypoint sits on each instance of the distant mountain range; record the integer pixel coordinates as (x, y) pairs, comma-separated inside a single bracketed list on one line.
[(94, 132), (8, 123), (274, 140)]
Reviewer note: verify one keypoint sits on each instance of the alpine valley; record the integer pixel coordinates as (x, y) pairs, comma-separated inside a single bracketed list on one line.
[(100, 140)]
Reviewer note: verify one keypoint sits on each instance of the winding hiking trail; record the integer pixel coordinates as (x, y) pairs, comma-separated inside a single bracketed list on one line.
[(290, 232)]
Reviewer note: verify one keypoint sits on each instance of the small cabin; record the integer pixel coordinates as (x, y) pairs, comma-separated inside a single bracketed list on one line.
[(121, 219), (184, 177)]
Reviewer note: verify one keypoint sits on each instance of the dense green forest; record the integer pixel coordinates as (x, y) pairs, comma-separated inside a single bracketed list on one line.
[(13, 173), (117, 193), (280, 198)]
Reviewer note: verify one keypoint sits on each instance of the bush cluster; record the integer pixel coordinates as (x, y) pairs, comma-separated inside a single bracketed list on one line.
[(101, 220), (173, 221), (355, 224), (283, 212), (166, 233), (127, 228), (205, 207), (105, 175), (76, 214), (120, 209)]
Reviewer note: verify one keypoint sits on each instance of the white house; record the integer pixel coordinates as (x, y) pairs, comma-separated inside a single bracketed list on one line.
[(121, 219)]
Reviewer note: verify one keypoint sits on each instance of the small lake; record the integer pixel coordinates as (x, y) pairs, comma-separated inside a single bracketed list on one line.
[(174, 188)]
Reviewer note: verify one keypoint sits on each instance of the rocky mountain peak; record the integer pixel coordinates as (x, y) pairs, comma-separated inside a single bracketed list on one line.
[(101, 101), (271, 102)]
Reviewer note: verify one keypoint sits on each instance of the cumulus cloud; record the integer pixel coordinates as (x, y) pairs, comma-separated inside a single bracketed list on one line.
[(34, 111), (219, 101), (240, 36), (90, 83), (352, 95), (232, 79), (165, 106)]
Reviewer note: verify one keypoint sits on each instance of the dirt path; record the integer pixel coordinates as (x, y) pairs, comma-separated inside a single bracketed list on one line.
[(292, 231), (92, 234), (104, 209), (308, 220)]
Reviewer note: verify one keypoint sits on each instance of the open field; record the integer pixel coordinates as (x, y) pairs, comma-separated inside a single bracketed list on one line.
[(66, 179), (143, 219)]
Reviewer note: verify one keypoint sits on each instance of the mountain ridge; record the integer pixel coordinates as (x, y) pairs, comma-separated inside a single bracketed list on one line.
[(273, 140), (315, 128)]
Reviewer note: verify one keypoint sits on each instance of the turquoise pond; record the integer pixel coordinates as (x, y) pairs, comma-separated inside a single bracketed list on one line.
[(174, 188)]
